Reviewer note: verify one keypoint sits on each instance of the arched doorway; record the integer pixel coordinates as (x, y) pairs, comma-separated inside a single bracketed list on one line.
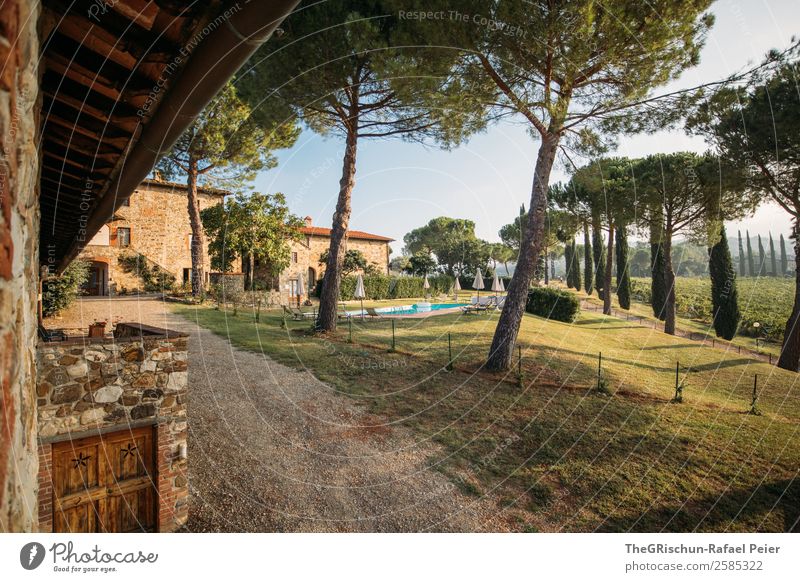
[(98, 279)]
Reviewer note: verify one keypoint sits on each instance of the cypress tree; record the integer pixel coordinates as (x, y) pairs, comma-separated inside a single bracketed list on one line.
[(599, 258), (784, 258), (623, 272), (724, 297), (588, 273), (762, 258), (658, 284), (576, 266), (773, 259), (742, 264), (751, 264), (568, 260)]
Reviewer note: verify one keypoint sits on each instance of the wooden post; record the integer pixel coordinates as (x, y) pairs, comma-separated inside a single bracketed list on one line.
[(599, 367), (350, 324), (753, 408), (393, 341), (449, 366), (677, 374)]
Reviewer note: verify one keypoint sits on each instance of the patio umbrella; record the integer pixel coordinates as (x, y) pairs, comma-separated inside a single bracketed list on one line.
[(502, 286), (478, 284), (301, 290), (360, 294), (497, 286), (426, 285), (456, 289)]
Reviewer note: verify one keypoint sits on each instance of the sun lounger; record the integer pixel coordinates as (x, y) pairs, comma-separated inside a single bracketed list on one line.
[(297, 314), (372, 313), (467, 309)]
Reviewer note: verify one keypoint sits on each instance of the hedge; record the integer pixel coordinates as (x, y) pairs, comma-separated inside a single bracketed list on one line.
[(553, 304), (383, 287)]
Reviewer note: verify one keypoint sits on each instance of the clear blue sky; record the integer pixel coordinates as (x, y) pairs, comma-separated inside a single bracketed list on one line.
[(400, 186)]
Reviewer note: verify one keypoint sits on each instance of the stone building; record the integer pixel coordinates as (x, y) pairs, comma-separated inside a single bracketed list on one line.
[(75, 142), (315, 240), (154, 222)]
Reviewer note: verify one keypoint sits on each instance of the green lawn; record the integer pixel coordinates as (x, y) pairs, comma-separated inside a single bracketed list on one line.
[(558, 454)]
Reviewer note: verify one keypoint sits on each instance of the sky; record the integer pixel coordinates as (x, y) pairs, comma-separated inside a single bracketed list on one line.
[(401, 186)]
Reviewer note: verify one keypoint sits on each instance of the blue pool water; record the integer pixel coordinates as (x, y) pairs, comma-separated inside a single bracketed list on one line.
[(409, 309)]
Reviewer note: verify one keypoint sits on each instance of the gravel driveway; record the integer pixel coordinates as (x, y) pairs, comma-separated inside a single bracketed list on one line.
[(274, 449)]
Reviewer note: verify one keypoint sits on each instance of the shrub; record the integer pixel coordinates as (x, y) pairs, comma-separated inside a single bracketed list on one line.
[(59, 292), (553, 304)]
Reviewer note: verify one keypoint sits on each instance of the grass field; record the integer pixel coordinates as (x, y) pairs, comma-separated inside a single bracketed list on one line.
[(553, 451)]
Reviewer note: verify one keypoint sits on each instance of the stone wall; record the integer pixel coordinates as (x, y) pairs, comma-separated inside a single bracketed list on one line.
[(19, 252), (158, 220), (87, 386), (310, 248)]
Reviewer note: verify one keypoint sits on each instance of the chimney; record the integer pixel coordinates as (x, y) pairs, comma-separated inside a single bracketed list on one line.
[(309, 221)]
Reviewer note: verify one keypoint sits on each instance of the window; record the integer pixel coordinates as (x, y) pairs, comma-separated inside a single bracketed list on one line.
[(294, 257), (123, 237)]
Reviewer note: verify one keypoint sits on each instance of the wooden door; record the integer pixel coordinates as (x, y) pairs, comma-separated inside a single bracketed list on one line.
[(105, 483)]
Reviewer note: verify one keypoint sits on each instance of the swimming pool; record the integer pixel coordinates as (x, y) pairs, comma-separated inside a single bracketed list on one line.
[(409, 309)]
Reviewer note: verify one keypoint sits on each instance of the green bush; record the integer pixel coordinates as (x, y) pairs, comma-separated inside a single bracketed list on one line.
[(59, 292), (553, 304)]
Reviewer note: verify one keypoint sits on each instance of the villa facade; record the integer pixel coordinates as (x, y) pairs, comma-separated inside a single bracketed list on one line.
[(305, 258), (155, 223)]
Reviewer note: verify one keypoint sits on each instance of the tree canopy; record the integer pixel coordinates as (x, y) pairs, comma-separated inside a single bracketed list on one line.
[(453, 242), (255, 227)]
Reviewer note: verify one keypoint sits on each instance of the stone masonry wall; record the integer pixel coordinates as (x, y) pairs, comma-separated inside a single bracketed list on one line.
[(309, 250), (19, 251), (87, 386), (159, 222)]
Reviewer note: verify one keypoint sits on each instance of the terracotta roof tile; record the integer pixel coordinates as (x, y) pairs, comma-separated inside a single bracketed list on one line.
[(319, 231)]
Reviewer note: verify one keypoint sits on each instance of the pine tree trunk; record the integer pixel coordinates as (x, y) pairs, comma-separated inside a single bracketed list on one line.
[(599, 262), (546, 270), (790, 352), (198, 242), (331, 283), (669, 282), (505, 335), (609, 271), (588, 271)]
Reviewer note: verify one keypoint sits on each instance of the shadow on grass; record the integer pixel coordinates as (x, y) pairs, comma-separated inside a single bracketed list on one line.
[(729, 510), (671, 347)]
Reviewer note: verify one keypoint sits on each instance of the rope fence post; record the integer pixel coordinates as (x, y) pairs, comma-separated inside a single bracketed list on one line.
[(350, 325), (449, 366), (753, 408), (393, 340)]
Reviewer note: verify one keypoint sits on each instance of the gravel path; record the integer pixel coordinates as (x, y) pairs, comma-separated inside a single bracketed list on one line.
[(274, 449)]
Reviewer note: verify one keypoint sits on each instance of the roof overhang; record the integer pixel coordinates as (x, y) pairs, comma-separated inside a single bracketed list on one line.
[(120, 81)]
